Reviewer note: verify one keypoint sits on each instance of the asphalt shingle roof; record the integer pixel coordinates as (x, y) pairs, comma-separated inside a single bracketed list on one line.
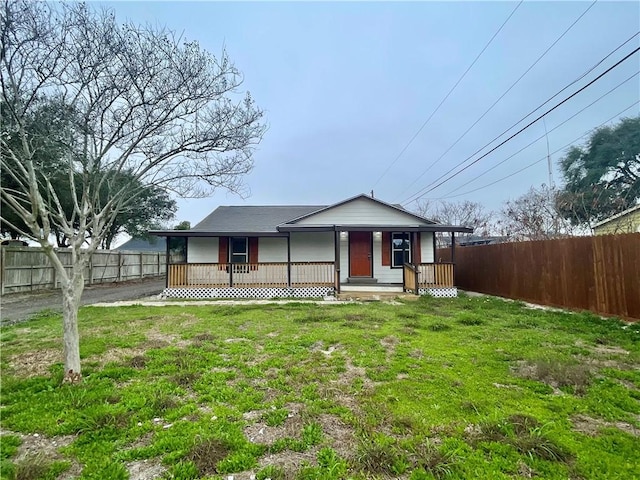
[(153, 244), (253, 219)]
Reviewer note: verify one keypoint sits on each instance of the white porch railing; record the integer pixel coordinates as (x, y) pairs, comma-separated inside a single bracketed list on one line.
[(250, 275)]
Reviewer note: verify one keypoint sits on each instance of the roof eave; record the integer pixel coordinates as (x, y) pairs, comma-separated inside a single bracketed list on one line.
[(375, 228), (203, 233), (617, 216)]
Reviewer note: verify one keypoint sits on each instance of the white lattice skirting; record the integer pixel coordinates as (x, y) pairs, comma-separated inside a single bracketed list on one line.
[(449, 292), (202, 293)]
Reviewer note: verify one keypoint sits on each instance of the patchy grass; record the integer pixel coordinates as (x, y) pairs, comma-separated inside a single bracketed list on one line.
[(434, 388)]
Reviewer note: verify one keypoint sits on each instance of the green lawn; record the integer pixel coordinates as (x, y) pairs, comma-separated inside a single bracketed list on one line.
[(436, 388)]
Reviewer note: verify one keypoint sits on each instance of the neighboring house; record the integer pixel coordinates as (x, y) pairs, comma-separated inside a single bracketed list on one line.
[(304, 251), (152, 244), (471, 240), (627, 221)]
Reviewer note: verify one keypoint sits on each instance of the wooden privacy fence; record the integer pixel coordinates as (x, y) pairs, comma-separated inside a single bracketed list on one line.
[(600, 273), (28, 268)]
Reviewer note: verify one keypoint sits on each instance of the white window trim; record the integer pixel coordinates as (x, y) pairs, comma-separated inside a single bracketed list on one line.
[(393, 250), (246, 249)]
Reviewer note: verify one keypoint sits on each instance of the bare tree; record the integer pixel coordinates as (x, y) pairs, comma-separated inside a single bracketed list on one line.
[(143, 101), (465, 213), (536, 215)]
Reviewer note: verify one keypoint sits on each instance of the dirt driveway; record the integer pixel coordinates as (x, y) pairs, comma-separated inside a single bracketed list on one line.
[(16, 307)]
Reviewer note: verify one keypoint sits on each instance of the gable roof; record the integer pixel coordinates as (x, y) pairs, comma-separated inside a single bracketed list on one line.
[(357, 197), (230, 219), (278, 220)]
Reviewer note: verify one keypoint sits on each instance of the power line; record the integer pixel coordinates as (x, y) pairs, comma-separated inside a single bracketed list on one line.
[(447, 95), (543, 158), (426, 189), (509, 89), (542, 136)]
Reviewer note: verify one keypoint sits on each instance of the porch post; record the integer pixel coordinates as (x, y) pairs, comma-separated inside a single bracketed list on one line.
[(167, 262), (336, 245), (453, 254), (453, 247), (414, 249), (289, 259), (433, 246), (404, 245)]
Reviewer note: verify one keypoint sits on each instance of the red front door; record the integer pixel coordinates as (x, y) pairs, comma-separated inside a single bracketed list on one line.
[(360, 254)]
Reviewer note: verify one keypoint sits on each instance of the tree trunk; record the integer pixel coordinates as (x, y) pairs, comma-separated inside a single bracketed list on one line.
[(71, 295)]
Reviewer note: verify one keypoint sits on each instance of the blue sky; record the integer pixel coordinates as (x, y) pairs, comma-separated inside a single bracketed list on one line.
[(345, 86)]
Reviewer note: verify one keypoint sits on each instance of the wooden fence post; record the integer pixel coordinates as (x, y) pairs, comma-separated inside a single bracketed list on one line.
[(141, 265), (2, 267), (119, 277)]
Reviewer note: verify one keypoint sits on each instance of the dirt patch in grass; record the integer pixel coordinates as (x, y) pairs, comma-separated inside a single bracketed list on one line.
[(206, 456), (628, 384), (389, 343), (557, 374), (592, 426), (290, 462), (138, 361), (237, 340), (319, 347), (118, 355), (263, 434), (35, 363), (342, 436), (158, 339), (525, 471), (148, 469), (46, 448), (339, 390), (143, 441), (154, 343), (204, 337), (609, 350), (353, 373)]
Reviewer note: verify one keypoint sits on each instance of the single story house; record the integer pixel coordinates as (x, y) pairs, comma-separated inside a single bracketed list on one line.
[(307, 251), (627, 221)]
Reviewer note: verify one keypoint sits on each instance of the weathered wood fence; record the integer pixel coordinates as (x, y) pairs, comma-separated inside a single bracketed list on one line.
[(27, 268), (600, 273)]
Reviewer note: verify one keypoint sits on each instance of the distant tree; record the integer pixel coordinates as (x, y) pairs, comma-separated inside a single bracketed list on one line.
[(49, 128), (465, 213), (183, 225), (146, 106), (154, 206), (603, 177), (535, 216)]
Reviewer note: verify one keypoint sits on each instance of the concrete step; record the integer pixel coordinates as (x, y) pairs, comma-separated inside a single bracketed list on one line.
[(362, 280), (375, 296), (371, 288)]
